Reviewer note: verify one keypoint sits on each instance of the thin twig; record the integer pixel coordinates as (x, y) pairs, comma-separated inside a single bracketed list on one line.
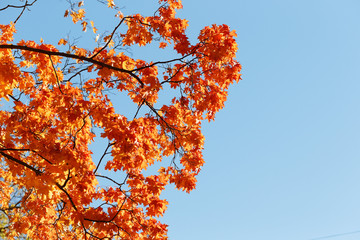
[(111, 37), (105, 152), (56, 75)]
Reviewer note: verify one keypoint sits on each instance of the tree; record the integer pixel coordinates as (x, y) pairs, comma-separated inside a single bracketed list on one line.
[(60, 102)]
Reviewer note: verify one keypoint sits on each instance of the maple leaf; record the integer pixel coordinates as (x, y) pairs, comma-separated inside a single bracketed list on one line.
[(73, 163)]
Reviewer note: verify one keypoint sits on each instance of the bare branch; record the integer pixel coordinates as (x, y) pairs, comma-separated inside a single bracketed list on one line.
[(119, 184), (111, 37), (169, 61), (22, 6), (102, 157)]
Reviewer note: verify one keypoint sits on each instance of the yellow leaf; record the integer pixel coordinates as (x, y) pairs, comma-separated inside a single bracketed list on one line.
[(84, 24), (111, 3), (62, 42)]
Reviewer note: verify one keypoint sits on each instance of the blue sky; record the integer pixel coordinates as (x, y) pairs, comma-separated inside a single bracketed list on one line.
[(282, 158)]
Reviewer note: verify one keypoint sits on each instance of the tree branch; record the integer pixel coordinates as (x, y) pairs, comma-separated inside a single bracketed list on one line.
[(73, 56), (102, 157), (67, 194), (38, 172), (22, 6), (111, 37)]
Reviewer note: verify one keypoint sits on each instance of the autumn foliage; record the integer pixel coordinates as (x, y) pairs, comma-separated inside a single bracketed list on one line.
[(59, 100)]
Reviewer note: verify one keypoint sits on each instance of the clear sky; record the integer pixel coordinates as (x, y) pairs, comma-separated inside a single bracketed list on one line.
[(282, 158)]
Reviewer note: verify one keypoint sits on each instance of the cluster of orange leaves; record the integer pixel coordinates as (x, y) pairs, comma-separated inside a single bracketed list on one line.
[(45, 139)]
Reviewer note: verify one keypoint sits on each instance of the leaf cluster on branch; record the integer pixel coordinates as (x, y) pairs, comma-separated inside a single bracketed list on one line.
[(58, 106)]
